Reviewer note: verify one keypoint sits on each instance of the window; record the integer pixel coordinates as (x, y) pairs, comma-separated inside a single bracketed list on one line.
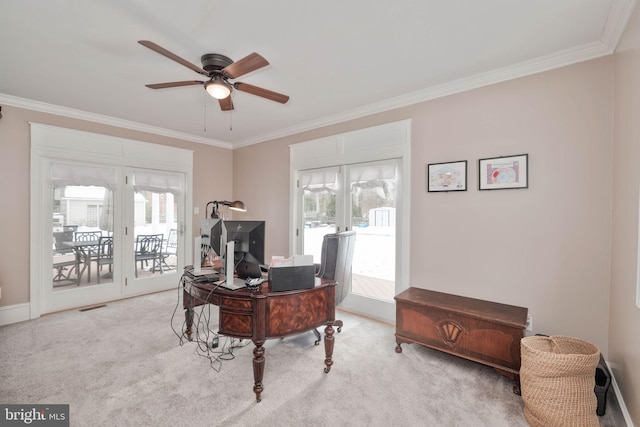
[(92, 215)]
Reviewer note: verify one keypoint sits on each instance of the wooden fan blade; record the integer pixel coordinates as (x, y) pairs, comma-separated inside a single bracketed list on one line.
[(226, 104), (174, 84), (245, 65), (255, 90), (172, 56)]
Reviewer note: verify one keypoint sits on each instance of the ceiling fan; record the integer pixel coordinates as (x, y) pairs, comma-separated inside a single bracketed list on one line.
[(219, 69)]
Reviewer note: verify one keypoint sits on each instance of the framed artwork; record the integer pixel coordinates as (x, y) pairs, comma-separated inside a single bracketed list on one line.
[(499, 173), (451, 176)]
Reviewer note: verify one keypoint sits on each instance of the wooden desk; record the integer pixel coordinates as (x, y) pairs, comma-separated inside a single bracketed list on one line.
[(483, 331), (262, 315)]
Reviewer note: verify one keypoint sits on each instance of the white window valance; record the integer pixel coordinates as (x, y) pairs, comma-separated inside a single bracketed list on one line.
[(156, 182), (379, 177), (319, 180), (368, 173), (67, 174)]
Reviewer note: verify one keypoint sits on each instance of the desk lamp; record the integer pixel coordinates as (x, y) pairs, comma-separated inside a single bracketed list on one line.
[(235, 206)]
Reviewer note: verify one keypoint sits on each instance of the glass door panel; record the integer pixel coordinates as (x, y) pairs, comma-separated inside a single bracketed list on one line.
[(82, 236), (360, 197), (78, 210), (373, 218), (155, 246), (319, 207)]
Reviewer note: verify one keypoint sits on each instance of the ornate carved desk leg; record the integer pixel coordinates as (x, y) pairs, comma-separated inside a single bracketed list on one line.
[(188, 312), (188, 316), (258, 368), (328, 347)]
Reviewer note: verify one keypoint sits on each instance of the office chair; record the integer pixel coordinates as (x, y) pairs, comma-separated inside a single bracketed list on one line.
[(62, 265), (335, 264)]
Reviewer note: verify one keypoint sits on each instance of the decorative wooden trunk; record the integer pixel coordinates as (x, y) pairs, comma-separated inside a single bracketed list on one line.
[(482, 331)]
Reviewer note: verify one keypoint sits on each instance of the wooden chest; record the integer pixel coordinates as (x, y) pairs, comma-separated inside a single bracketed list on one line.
[(482, 331)]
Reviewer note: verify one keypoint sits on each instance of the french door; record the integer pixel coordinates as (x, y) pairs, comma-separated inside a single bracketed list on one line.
[(83, 242), (154, 231), (108, 218), (361, 176), (360, 197)]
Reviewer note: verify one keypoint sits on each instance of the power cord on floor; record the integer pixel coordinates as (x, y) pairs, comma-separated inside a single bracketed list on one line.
[(207, 341)]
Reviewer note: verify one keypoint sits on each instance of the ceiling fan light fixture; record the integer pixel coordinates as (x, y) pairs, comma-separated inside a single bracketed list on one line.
[(219, 69), (218, 88)]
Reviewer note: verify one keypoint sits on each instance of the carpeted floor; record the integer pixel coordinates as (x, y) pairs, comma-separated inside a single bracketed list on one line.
[(122, 365)]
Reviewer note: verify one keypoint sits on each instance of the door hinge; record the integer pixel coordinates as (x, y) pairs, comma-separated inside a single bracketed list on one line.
[(298, 183), (126, 282), (126, 179), (126, 231), (297, 232)]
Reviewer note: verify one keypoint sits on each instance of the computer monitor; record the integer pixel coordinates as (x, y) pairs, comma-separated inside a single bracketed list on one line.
[(211, 232), (248, 237)]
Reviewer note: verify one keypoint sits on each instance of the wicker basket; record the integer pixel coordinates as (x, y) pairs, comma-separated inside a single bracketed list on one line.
[(557, 377)]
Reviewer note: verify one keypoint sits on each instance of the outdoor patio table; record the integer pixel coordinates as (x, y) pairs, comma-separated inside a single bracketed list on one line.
[(83, 251)]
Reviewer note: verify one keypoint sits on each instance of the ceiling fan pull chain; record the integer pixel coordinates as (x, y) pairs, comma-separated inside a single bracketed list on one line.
[(204, 119), (231, 121)]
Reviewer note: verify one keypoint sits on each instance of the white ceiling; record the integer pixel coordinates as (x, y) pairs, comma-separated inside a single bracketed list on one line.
[(336, 59)]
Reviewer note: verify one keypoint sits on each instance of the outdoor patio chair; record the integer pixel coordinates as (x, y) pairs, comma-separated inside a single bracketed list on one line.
[(63, 267), (105, 255), (59, 240), (149, 248), (170, 248), (86, 249)]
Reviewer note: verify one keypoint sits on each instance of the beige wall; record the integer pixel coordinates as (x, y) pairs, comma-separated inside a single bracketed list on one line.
[(263, 184), (547, 247), (212, 174), (624, 323)]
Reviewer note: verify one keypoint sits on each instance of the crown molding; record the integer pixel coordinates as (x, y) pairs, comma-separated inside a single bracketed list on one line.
[(522, 69), (545, 63), (618, 17), (107, 120), (617, 20)]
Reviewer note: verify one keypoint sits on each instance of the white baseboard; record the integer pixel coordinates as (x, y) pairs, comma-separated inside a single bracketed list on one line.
[(14, 313), (616, 390)]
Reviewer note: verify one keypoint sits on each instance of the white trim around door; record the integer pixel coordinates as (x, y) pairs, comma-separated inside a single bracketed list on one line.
[(51, 144), (384, 142)]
